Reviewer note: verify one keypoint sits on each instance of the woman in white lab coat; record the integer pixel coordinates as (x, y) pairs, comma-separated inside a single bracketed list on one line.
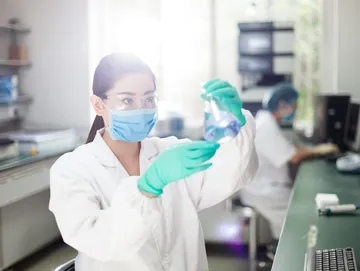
[(127, 202)]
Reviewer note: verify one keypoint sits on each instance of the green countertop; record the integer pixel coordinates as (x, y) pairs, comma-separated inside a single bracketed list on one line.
[(334, 232)]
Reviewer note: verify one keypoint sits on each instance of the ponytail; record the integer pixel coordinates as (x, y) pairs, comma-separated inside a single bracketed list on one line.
[(97, 125)]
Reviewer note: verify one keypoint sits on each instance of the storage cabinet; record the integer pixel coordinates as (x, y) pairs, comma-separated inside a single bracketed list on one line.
[(26, 224)]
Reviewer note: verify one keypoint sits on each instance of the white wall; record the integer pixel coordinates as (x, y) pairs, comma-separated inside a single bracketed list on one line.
[(227, 15), (328, 57), (58, 49), (349, 47), (340, 49), (186, 56)]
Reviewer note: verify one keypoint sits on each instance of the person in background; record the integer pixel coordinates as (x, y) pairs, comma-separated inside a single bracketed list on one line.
[(270, 191), (127, 202)]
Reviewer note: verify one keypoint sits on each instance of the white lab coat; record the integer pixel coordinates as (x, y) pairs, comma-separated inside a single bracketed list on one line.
[(102, 214), (270, 190)]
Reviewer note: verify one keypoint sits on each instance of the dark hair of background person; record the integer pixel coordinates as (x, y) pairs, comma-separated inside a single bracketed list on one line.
[(110, 69)]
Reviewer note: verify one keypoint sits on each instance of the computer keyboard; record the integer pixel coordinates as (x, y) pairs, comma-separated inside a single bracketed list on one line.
[(339, 259)]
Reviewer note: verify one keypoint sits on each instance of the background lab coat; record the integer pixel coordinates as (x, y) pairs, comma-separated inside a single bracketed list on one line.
[(270, 191), (102, 214)]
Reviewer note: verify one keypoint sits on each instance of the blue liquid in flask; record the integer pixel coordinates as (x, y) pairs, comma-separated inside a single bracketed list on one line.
[(221, 126)]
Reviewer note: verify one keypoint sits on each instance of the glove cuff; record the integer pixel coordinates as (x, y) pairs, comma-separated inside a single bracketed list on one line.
[(241, 119), (143, 185)]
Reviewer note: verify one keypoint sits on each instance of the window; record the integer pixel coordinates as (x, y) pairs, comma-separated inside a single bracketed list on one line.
[(307, 43)]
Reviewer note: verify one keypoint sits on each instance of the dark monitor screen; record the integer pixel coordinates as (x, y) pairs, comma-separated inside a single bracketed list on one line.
[(253, 107), (353, 120)]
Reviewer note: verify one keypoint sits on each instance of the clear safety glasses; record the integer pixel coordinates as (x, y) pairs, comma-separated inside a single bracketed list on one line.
[(127, 102)]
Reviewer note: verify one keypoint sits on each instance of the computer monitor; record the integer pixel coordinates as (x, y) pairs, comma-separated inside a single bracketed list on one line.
[(330, 117), (253, 107), (352, 136)]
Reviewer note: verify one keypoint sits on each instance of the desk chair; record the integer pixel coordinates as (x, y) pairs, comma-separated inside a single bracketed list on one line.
[(253, 222), (252, 216), (68, 266)]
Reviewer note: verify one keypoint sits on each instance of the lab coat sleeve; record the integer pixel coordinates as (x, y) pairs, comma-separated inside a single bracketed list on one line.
[(107, 234), (234, 165), (273, 145)]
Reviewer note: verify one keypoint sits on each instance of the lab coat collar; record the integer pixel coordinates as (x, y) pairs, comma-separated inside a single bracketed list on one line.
[(107, 158)]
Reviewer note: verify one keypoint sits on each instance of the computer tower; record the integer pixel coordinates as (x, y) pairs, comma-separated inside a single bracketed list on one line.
[(352, 136), (330, 117)]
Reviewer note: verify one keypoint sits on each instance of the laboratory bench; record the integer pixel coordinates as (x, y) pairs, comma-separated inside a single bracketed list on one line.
[(22, 160), (337, 231), (26, 224)]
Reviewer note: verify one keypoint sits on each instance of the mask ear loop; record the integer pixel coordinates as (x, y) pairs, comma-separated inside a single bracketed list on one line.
[(107, 126)]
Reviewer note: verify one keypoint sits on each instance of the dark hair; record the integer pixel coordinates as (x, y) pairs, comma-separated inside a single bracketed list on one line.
[(111, 68)]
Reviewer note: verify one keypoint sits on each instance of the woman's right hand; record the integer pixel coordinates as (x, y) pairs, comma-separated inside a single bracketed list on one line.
[(176, 163)]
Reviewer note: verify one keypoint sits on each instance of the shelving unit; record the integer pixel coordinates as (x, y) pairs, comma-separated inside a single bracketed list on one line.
[(22, 100), (16, 110), (20, 30), (26, 225), (14, 63), (263, 58)]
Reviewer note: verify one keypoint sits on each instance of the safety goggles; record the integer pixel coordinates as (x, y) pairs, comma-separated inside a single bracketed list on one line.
[(127, 102)]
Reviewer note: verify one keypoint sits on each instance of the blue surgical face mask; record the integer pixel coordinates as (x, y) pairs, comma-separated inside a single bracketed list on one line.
[(290, 116), (132, 125)]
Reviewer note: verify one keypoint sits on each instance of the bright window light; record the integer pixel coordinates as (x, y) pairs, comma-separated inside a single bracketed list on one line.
[(139, 34)]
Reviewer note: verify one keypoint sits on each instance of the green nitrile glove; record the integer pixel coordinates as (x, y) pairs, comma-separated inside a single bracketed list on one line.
[(227, 95), (176, 163)]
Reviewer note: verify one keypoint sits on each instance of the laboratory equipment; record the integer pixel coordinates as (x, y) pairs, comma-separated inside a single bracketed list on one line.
[(34, 141), (333, 157), (38, 135), (352, 138), (8, 149), (220, 124), (9, 92), (349, 163), (326, 200), (339, 209), (17, 51), (339, 259)]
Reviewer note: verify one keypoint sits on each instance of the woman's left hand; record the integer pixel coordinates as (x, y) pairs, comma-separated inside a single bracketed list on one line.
[(227, 94)]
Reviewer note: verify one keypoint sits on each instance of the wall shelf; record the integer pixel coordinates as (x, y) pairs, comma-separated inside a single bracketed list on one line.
[(14, 63), (272, 29), (15, 111), (8, 28), (22, 100), (289, 54)]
